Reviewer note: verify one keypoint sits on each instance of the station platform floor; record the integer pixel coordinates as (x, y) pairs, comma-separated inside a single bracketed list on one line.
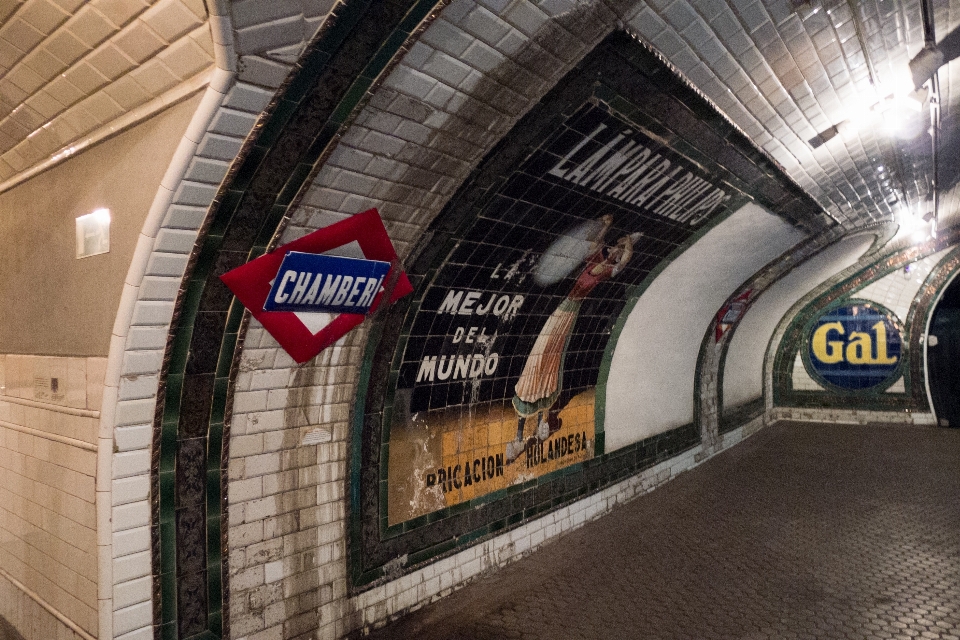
[(802, 531)]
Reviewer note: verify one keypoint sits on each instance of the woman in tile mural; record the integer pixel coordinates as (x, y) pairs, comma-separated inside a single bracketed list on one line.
[(541, 381)]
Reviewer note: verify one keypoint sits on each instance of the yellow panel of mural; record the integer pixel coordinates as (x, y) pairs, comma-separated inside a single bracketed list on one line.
[(460, 457)]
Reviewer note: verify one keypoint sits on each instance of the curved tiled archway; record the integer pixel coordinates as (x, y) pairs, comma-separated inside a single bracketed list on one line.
[(908, 404), (239, 89), (745, 355), (300, 128), (351, 177)]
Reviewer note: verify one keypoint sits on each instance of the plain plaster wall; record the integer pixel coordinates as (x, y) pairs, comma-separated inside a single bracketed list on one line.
[(743, 368), (651, 383), (53, 303)]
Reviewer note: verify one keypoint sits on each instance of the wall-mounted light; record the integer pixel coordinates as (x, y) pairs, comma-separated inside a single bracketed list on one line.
[(93, 233)]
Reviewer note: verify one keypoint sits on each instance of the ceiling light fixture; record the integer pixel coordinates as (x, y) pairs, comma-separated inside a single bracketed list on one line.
[(896, 110), (825, 135), (917, 228)]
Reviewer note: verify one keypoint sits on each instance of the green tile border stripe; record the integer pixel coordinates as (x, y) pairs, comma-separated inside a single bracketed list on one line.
[(249, 166), (845, 289)]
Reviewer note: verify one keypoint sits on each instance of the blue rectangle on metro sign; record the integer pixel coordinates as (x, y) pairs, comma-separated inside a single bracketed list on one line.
[(310, 282)]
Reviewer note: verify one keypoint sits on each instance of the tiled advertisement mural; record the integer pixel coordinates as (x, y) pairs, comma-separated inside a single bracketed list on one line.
[(480, 406), (497, 381), (854, 346)]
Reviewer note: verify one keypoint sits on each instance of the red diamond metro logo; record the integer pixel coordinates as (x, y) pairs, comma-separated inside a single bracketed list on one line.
[(304, 335)]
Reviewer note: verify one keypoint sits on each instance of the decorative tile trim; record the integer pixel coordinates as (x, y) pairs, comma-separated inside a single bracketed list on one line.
[(291, 139), (841, 288), (880, 246)]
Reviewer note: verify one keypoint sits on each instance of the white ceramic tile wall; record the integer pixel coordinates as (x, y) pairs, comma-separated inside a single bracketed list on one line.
[(49, 408), (782, 72), (655, 362), (800, 379), (287, 503), (743, 368), (897, 290), (406, 153)]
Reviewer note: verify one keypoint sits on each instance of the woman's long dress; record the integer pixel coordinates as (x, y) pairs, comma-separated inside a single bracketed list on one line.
[(542, 377)]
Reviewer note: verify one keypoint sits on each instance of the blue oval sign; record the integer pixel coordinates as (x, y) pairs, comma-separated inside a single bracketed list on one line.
[(856, 346)]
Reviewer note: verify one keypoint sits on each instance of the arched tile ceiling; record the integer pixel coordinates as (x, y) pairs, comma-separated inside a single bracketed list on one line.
[(70, 67), (782, 70), (786, 70), (73, 70)]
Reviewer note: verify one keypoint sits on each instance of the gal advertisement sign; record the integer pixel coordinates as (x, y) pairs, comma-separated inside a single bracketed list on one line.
[(855, 347)]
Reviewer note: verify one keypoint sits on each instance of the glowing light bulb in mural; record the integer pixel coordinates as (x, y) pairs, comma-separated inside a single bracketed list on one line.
[(541, 380), (568, 252)]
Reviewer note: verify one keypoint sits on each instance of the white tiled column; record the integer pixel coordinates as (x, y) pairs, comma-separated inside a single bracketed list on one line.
[(241, 87)]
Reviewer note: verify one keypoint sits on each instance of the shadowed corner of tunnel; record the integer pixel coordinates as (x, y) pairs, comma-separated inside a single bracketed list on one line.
[(7, 632)]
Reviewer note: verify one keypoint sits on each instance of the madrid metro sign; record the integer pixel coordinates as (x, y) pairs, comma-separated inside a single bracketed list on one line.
[(312, 283), (855, 347), (307, 299)]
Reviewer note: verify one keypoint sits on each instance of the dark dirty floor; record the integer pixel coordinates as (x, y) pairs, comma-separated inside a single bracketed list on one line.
[(7, 632), (803, 531)]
